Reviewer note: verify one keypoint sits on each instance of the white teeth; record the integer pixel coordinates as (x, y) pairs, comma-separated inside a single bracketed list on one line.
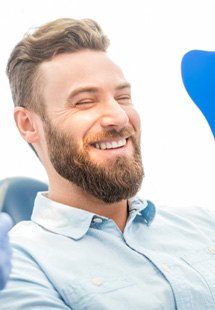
[(110, 145), (114, 144), (103, 146), (121, 143)]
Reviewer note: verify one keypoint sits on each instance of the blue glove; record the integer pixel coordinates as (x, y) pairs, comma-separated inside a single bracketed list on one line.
[(5, 250)]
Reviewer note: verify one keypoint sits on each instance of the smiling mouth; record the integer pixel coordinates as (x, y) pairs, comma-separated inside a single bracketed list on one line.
[(109, 145)]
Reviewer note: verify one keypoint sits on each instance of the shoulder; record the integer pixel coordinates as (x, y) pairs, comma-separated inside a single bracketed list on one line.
[(201, 217), (25, 230), (26, 234)]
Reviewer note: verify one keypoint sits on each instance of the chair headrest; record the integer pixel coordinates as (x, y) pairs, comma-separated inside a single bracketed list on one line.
[(17, 195), (198, 75)]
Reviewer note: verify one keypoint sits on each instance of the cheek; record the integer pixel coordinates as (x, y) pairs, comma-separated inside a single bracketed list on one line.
[(79, 125), (134, 119)]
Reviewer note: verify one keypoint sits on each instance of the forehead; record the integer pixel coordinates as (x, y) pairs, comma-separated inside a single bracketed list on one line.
[(67, 71)]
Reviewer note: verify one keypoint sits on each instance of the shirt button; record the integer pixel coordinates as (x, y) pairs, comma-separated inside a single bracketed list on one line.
[(212, 250), (97, 220), (165, 268), (96, 281)]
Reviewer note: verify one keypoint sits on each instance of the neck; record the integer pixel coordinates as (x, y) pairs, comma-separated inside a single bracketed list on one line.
[(69, 194)]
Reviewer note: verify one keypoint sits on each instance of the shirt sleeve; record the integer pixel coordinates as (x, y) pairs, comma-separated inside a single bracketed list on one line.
[(28, 287)]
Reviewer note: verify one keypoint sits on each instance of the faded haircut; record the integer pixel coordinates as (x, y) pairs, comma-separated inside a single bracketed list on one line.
[(63, 35)]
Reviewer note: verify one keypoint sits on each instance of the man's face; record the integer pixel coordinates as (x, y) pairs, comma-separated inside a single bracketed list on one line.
[(91, 127)]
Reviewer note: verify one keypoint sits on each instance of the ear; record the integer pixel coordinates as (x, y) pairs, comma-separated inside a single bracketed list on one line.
[(26, 122)]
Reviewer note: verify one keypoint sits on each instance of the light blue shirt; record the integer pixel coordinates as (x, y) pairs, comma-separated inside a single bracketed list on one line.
[(66, 258)]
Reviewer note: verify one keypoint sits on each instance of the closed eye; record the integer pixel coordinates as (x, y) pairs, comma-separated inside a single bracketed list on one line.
[(125, 99), (85, 101)]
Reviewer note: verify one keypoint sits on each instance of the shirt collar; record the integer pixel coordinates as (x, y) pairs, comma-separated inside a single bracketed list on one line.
[(59, 218), (144, 208), (73, 222)]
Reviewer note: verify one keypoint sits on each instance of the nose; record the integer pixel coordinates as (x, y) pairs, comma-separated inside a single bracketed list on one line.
[(113, 116)]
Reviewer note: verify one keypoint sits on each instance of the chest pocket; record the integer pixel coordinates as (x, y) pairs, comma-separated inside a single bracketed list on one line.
[(95, 292), (203, 262)]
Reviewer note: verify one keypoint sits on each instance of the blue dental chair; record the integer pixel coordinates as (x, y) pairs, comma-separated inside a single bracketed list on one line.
[(17, 196), (198, 76)]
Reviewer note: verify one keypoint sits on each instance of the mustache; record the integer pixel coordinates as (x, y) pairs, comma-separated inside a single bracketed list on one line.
[(112, 133)]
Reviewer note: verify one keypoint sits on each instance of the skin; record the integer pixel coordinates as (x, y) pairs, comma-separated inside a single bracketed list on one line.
[(85, 93)]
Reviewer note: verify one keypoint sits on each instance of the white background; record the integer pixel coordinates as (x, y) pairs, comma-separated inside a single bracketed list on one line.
[(148, 39)]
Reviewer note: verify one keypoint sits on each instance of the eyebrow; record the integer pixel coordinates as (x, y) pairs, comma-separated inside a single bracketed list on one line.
[(91, 89)]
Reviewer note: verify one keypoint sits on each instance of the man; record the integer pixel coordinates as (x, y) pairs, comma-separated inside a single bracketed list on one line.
[(5, 250), (92, 243)]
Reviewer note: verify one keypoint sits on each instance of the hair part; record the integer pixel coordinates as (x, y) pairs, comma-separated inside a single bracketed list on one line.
[(63, 35)]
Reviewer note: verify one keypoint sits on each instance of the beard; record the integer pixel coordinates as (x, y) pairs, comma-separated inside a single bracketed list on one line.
[(113, 180)]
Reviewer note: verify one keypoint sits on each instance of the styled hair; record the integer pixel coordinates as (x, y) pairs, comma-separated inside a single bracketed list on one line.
[(63, 35)]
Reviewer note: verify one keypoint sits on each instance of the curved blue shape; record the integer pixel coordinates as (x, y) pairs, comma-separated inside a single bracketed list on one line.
[(198, 75)]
